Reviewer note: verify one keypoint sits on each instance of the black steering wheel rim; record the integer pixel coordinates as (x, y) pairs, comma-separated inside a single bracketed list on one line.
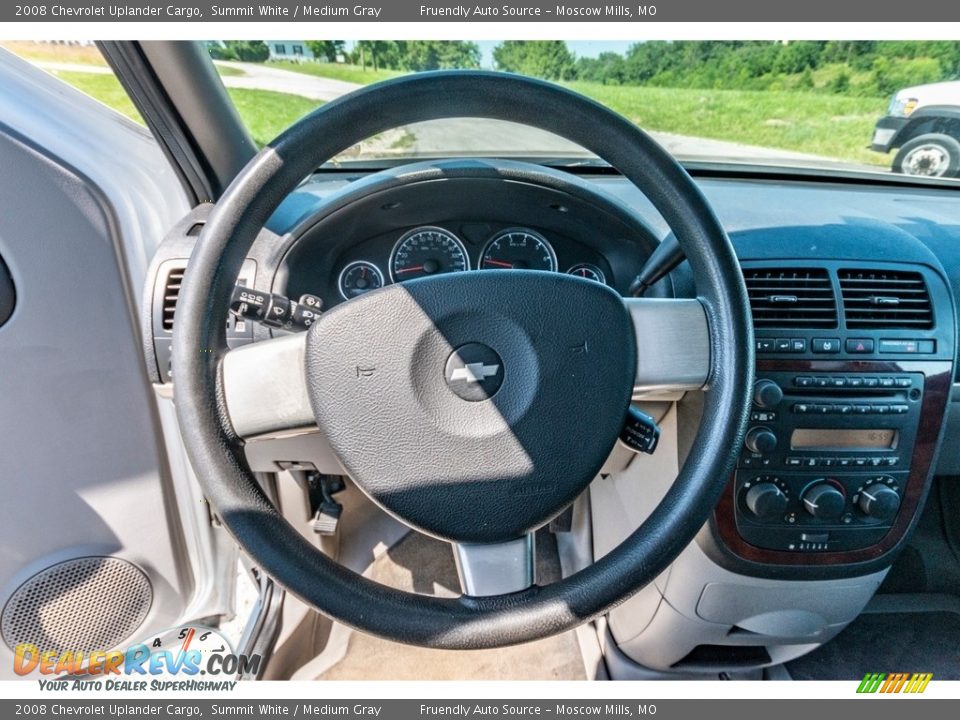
[(217, 454)]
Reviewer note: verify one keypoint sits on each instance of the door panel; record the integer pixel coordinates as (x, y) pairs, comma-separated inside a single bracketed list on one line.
[(92, 551)]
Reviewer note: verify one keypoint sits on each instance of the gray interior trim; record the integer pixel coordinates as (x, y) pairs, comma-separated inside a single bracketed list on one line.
[(265, 388), (496, 568), (673, 344)]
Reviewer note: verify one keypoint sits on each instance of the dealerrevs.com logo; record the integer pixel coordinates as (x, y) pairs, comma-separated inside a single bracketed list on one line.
[(894, 682), (190, 657)]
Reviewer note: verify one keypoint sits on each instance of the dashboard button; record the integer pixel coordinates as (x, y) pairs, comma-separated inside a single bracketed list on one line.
[(821, 382), (886, 382), (782, 345), (903, 382), (825, 345), (838, 382), (798, 345), (871, 382), (766, 345), (855, 382), (859, 346), (803, 381)]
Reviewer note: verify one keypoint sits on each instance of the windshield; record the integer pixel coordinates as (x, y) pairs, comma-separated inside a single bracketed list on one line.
[(864, 106)]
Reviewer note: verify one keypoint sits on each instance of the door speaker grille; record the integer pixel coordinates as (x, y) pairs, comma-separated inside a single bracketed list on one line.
[(90, 603)]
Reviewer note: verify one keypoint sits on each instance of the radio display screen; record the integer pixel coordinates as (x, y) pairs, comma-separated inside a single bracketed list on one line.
[(843, 439)]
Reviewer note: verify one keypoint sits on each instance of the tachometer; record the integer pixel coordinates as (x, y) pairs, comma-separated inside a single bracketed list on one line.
[(518, 248), (427, 251), (359, 277)]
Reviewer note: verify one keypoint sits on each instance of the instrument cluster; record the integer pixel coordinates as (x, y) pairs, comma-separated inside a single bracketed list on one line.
[(430, 250)]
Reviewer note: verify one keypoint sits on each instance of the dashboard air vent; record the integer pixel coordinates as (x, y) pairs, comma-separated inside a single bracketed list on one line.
[(885, 299), (171, 291), (791, 297)]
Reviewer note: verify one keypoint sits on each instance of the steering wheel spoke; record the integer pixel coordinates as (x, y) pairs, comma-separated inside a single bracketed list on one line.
[(673, 344), (496, 568), (264, 386)]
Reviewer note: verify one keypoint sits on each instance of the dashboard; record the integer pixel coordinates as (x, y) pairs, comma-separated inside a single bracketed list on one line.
[(852, 287)]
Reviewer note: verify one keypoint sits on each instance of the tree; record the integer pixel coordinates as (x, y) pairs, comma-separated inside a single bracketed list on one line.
[(548, 59), (330, 50), (440, 55), (249, 50)]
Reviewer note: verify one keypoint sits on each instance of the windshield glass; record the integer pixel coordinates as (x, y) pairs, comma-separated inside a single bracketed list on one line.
[(864, 106)]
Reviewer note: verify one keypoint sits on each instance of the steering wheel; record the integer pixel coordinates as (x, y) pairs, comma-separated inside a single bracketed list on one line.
[(472, 406)]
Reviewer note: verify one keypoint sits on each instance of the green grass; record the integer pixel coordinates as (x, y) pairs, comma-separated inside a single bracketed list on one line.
[(265, 113), (338, 71), (833, 126)]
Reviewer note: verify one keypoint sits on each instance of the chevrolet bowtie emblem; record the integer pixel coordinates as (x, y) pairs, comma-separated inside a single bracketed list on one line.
[(474, 372)]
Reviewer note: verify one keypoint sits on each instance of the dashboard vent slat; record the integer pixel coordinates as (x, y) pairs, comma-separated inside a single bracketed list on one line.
[(885, 299), (171, 291), (791, 297)]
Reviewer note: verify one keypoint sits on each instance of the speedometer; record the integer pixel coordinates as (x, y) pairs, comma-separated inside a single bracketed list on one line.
[(518, 248), (427, 251)]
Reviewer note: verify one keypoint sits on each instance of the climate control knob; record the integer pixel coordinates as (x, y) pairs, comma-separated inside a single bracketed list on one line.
[(766, 501), (760, 440), (879, 501), (824, 501), (766, 394)]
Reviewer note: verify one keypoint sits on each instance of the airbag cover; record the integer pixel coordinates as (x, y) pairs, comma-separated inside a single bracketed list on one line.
[(406, 383)]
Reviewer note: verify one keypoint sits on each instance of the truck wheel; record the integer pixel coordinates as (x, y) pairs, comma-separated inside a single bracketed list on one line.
[(932, 155)]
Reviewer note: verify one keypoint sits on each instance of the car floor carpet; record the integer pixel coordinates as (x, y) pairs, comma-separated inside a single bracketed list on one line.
[(897, 633), (424, 565)]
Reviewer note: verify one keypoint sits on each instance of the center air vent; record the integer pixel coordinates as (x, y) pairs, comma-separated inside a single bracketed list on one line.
[(791, 297), (171, 291), (885, 299)]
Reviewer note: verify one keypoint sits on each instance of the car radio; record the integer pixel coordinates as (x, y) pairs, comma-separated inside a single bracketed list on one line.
[(826, 458)]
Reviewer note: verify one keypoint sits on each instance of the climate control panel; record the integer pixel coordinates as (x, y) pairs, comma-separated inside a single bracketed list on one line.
[(825, 459)]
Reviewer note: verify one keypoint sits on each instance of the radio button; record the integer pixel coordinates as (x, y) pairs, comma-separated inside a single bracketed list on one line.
[(861, 461), (825, 345), (793, 462), (822, 409), (880, 409), (766, 394), (900, 409), (861, 409), (843, 409), (802, 409), (838, 382), (904, 382), (821, 382), (844, 462), (855, 382), (871, 382), (828, 462), (891, 461), (803, 381), (886, 382)]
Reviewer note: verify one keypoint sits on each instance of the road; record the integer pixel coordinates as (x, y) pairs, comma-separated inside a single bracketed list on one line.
[(476, 136)]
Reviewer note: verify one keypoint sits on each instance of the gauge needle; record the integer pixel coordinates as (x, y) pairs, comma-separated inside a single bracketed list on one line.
[(498, 263), (410, 269)]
